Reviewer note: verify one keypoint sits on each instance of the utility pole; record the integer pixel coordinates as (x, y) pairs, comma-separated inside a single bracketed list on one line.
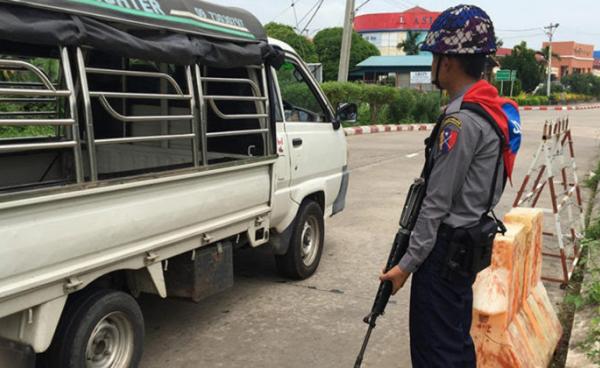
[(346, 42), (550, 33)]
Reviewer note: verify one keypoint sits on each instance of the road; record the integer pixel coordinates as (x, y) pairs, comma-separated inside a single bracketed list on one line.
[(266, 321)]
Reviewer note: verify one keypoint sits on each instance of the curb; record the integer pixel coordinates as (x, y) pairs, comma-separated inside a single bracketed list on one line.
[(371, 129), (559, 108)]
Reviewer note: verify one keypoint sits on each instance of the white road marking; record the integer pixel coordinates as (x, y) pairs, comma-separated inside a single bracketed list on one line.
[(413, 155)]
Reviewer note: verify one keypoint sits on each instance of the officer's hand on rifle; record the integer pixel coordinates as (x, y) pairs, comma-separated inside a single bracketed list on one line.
[(397, 276)]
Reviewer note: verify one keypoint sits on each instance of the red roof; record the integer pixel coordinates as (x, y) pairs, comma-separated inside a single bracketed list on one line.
[(415, 18), (503, 51)]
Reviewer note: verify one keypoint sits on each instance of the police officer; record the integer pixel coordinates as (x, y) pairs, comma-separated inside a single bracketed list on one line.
[(465, 162)]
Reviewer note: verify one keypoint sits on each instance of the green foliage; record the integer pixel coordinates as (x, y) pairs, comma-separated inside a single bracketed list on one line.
[(517, 88), (377, 96), (29, 131), (328, 44), (411, 45), (587, 84), (302, 45), (339, 92), (379, 104), (529, 71), (427, 108), (51, 69), (591, 345), (528, 100), (403, 105)]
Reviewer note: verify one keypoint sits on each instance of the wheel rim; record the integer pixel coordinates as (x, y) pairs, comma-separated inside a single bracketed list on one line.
[(111, 343), (310, 240)]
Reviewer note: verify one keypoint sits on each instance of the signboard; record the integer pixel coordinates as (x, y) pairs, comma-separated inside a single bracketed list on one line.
[(413, 19), (503, 75), (506, 75), (189, 16), (420, 77)]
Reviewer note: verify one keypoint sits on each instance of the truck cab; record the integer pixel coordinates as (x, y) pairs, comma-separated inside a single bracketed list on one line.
[(308, 170)]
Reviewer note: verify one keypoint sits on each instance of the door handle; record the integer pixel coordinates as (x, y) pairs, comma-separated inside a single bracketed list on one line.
[(296, 142)]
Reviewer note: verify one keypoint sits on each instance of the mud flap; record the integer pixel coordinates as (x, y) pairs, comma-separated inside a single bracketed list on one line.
[(16, 355), (199, 274)]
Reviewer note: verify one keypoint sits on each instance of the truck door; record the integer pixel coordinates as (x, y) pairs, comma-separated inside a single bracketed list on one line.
[(317, 151)]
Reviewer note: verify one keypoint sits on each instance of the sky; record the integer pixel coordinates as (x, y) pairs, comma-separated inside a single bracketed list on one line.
[(514, 20)]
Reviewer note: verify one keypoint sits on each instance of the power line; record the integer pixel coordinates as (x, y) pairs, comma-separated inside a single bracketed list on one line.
[(280, 14), (520, 30), (540, 34), (313, 16), (308, 12), (295, 13), (361, 5)]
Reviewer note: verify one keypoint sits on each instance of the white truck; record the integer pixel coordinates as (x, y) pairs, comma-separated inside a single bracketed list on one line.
[(144, 141)]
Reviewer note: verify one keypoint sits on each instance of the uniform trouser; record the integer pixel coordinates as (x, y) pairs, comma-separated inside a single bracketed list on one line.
[(440, 315)]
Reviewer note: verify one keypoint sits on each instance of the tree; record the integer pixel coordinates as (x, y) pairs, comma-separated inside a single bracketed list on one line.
[(586, 84), (328, 44), (499, 42), (546, 53), (410, 45), (529, 71), (303, 46)]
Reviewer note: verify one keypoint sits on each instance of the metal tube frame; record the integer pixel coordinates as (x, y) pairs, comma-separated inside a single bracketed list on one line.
[(89, 122), (131, 73), (203, 115), (262, 105), (237, 133), (194, 118), (50, 91), (152, 138), (103, 99), (19, 64)]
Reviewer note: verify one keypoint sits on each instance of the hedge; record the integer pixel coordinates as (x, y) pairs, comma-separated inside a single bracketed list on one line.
[(554, 99), (381, 104)]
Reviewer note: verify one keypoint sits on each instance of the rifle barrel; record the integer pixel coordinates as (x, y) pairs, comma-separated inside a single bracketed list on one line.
[(361, 355)]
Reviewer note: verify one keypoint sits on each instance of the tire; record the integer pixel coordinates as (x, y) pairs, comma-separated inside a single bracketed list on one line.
[(116, 321), (306, 243)]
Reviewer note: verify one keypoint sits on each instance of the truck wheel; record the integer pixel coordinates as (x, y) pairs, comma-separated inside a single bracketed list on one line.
[(104, 328), (306, 243)]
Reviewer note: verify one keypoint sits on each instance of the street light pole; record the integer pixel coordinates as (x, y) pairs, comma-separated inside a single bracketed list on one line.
[(550, 33), (346, 42)]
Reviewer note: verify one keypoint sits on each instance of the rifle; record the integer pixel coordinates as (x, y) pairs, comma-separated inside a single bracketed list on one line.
[(410, 212)]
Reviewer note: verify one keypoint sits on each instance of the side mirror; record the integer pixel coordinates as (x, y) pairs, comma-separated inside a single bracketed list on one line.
[(346, 113)]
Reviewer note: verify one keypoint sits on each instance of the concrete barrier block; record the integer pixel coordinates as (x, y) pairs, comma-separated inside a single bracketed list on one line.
[(514, 323)]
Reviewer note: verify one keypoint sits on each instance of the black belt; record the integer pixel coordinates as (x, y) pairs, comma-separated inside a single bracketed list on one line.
[(445, 231)]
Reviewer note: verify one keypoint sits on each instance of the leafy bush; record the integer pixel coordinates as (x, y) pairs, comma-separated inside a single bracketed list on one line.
[(517, 87), (340, 92), (402, 106), (380, 104), (586, 84)]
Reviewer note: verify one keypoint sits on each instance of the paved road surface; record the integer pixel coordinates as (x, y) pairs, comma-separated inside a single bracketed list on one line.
[(265, 321)]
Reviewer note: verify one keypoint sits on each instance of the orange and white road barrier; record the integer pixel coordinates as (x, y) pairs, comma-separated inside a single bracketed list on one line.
[(514, 323), (554, 167)]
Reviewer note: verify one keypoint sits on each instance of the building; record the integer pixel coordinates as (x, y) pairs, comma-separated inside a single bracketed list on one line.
[(387, 30), (409, 71), (574, 58)]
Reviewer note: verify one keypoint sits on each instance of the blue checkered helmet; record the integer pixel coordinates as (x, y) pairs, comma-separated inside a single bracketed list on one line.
[(461, 30)]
